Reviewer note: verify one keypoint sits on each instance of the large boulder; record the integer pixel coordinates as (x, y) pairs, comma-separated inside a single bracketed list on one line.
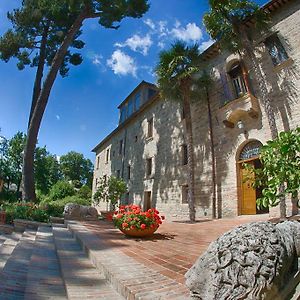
[(80, 212), (252, 261)]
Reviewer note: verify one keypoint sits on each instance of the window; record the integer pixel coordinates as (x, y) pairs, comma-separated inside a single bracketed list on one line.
[(184, 194), (150, 128), (128, 172), (276, 49), (118, 173), (184, 153), (107, 156), (137, 101), (237, 80), (122, 114), (98, 162), (149, 166), (120, 147), (136, 138), (130, 107)]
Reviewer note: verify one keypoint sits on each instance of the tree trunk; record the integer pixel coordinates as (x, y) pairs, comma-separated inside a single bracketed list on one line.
[(28, 166), (213, 157), (39, 73), (190, 152)]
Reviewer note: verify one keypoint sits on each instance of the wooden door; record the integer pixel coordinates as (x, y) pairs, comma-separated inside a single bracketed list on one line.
[(147, 201), (248, 193)]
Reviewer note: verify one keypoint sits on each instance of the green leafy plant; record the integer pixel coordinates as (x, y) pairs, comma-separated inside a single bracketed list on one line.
[(85, 192), (61, 190), (280, 172), (110, 190)]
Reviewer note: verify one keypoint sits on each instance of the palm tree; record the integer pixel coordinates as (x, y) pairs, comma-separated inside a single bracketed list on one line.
[(175, 76), (226, 23)]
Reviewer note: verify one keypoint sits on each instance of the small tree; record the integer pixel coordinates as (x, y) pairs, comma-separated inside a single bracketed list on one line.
[(280, 172), (110, 190)]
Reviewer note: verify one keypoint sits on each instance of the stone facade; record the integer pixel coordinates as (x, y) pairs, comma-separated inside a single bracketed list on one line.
[(237, 120)]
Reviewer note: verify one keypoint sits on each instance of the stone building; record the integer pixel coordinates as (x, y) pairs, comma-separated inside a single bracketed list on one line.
[(148, 148)]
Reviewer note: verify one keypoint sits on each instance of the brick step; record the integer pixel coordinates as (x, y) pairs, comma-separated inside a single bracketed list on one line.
[(82, 280), (133, 280), (13, 276), (44, 279), (8, 243)]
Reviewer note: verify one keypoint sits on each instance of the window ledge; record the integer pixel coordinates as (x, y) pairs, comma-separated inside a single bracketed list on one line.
[(285, 64)]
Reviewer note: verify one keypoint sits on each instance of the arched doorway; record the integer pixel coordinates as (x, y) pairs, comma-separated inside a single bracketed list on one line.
[(249, 154)]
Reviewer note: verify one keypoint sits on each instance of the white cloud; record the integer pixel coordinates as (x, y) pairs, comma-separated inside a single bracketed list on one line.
[(150, 23), (190, 33), (204, 45), (177, 24), (163, 31), (57, 117), (96, 59), (161, 44), (137, 43), (122, 64)]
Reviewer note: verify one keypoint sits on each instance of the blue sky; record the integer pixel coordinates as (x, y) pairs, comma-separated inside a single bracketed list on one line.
[(82, 108)]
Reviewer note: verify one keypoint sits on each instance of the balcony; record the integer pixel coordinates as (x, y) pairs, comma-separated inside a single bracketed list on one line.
[(231, 112)]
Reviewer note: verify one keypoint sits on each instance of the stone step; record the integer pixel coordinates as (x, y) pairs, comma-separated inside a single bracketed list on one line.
[(8, 244), (133, 280), (13, 276), (82, 279), (44, 279)]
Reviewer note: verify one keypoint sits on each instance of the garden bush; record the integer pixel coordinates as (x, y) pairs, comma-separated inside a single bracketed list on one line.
[(27, 211), (60, 190), (85, 192), (56, 208)]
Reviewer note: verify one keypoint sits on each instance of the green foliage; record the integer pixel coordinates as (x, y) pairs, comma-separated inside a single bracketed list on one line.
[(85, 192), (224, 21), (280, 174), (110, 190), (47, 170), (26, 211), (11, 153), (61, 190), (56, 208), (75, 167)]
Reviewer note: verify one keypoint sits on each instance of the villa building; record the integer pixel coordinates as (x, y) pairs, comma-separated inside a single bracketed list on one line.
[(148, 148)]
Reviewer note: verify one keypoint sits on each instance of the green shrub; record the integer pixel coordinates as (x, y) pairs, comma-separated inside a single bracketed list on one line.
[(61, 189), (85, 192), (56, 208), (9, 196), (27, 211)]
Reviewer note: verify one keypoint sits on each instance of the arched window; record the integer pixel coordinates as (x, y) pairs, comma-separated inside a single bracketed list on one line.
[(250, 150), (237, 80)]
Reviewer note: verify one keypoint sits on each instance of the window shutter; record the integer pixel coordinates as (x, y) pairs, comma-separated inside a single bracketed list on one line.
[(227, 94)]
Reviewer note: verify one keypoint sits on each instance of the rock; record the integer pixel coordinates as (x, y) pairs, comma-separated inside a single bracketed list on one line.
[(80, 212), (252, 261)]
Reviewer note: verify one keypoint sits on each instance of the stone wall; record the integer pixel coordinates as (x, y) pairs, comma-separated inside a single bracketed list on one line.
[(168, 176)]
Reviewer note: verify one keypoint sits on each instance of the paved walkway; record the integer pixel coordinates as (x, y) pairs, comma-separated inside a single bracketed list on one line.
[(174, 247)]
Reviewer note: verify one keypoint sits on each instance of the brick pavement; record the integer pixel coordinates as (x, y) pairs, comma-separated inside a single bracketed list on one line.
[(151, 268), (174, 247)]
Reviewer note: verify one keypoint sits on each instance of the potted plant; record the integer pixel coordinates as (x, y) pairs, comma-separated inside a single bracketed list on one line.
[(132, 221), (110, 191)]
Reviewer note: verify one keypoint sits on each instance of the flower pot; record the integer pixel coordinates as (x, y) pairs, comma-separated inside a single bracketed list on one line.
[(139, 232)]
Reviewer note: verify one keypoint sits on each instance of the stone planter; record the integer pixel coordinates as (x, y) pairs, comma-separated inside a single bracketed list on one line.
[(139, 232)]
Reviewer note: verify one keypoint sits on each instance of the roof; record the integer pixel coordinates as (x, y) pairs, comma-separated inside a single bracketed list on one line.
[(153, 99), (143, 83)]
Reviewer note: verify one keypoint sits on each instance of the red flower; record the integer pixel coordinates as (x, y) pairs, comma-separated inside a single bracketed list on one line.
[(143, 226), (132, 227), (124, 225), (163, 217)]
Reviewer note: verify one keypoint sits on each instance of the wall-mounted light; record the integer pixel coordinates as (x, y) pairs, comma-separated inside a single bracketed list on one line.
[(240, 124)]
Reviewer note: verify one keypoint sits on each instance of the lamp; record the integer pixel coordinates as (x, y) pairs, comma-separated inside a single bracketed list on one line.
[(240, 124)]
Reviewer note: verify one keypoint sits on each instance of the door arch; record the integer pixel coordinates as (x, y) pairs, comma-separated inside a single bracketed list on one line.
[(247, 195)]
